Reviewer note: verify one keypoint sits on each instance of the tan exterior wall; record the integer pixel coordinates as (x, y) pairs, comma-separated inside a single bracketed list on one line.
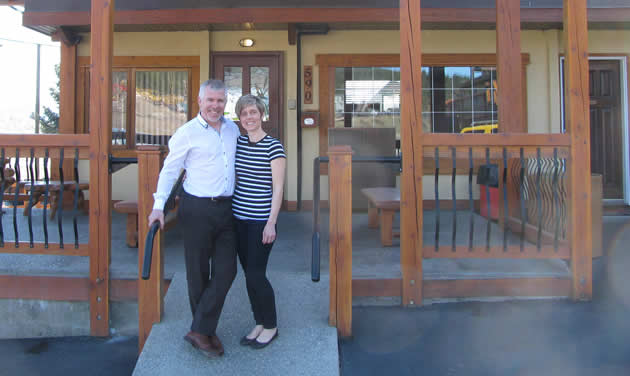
[(543, 82)]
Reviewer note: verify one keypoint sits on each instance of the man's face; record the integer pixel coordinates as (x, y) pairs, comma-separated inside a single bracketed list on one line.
[(211, 105)]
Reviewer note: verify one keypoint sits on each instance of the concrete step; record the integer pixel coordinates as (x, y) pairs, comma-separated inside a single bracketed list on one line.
[(306, 344)]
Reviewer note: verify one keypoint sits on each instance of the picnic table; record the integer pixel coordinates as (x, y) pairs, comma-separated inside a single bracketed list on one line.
[(383, 203), (54, 189)]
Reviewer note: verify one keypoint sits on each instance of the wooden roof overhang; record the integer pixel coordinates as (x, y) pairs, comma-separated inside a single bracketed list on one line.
[(185, 15)]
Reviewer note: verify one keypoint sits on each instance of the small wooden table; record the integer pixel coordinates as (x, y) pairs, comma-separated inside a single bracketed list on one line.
[(54, 189), (386, 202)]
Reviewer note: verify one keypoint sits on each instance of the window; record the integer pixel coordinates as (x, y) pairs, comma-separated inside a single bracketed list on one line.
[(453, 98), (460, 91), (151, 98)]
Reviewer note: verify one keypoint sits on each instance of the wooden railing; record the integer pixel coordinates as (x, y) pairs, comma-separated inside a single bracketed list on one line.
[(533, 223), (21, 185)]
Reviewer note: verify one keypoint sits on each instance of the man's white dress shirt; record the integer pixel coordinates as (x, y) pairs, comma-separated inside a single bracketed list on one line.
[(207, 156)]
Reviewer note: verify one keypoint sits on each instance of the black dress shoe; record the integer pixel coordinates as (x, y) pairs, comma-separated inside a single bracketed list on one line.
[(260, 345), (246, 341)]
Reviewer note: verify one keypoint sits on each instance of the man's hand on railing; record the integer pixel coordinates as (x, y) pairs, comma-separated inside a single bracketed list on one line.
[(157, 215)]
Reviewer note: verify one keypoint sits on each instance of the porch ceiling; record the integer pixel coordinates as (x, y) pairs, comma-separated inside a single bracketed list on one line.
[(47, 22)]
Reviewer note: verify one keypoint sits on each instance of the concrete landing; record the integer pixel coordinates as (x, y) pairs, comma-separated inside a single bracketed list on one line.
[(306, 345)]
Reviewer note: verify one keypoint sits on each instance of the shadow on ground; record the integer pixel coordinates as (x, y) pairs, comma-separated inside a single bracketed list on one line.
[(68, 356), (543, 337)]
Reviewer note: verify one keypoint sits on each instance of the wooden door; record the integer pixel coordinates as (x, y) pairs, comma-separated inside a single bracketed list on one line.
[(606, 126), (258, 73)]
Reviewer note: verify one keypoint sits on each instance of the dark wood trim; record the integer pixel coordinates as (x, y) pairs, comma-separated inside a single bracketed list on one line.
[(476, 288), (101, 51), (279, 55), (314, 15), (69, 289), (147, 61), (292, 31), (578, 127)]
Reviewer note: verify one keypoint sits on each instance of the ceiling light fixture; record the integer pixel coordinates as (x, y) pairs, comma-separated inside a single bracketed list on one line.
[(246, 42)]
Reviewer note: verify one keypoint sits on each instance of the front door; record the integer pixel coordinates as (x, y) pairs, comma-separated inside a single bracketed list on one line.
[(606, 126), (257, 73)]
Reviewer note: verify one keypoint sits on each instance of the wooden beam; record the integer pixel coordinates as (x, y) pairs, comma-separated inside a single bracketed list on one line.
[(485, 16), (340, 238), (411, 216), (577, 115), (68, 289), (67, 99), (101, 51), (150, 292), (497, 252), (496, 140), (40, 249), (469, 288), (510, 90), (66, 37), (377, 287)]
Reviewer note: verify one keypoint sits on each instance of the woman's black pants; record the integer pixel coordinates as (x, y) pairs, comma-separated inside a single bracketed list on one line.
[(254, 255)]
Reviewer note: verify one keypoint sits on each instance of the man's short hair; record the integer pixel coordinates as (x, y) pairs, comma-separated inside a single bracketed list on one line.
[(250, 100), (212, 85)]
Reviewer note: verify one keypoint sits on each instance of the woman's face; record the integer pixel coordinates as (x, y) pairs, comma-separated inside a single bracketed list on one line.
[(251, 118)]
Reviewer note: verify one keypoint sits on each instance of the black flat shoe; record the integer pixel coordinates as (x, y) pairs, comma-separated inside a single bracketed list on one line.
[(259, 345), (246, 341)]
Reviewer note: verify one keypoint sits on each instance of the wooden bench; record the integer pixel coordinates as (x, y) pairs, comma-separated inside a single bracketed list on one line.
[(383, 203), (131, 209)]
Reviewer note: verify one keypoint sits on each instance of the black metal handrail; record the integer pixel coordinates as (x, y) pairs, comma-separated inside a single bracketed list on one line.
[(155, 226), (315, 240)]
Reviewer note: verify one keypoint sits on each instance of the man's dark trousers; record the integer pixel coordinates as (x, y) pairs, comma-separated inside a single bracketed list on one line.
[(209, 234)]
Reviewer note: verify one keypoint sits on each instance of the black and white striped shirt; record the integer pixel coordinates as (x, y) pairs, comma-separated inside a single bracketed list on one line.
[(253, 192)]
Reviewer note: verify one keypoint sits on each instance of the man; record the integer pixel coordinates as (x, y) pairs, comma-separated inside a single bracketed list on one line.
[(205, 147)]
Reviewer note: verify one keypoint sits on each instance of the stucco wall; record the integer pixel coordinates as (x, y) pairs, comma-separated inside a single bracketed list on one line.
[(543, 83)]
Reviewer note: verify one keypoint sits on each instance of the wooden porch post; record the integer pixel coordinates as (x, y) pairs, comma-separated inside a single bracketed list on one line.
[(578, 127), (67, 94), (509, 67), (150, 292), (340, 202), (510, 86), (412, 152), (102, 26)]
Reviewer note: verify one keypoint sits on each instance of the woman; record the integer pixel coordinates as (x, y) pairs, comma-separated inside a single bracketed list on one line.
[(260, 166)]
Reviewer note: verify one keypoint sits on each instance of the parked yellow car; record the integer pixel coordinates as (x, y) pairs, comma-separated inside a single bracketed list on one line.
[(481, 128)]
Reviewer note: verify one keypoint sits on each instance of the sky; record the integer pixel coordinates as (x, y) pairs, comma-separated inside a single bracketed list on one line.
[(18, 71)]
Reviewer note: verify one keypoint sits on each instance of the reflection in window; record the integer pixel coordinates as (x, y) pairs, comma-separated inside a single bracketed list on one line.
[(119, 107), (161, 105), (453, 98), (259, 85), (233, 79)]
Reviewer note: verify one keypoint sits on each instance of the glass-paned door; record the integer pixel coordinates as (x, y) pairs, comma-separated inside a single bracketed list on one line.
[(253, 73)]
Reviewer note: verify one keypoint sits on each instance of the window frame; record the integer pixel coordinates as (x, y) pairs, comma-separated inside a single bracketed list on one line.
[(327, 63), (131, 64)]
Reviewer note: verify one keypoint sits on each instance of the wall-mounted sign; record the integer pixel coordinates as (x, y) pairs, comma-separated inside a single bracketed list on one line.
[(310, 119), (308, 84)]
